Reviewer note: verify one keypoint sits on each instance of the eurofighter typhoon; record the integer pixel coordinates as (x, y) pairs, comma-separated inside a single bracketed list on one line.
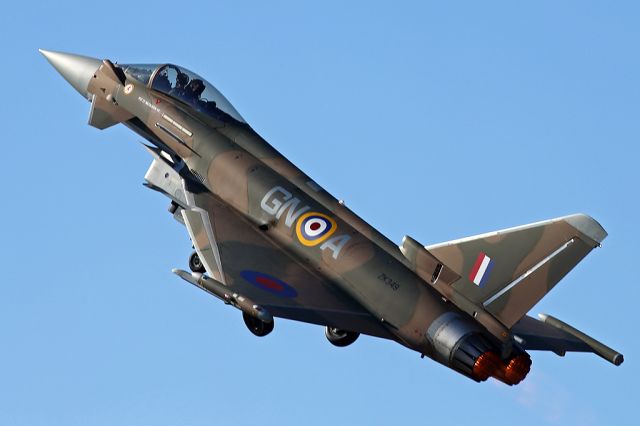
[(271, 242)]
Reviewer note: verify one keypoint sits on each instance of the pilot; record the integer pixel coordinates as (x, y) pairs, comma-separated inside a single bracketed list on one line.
[(182, 80), (193, 91)]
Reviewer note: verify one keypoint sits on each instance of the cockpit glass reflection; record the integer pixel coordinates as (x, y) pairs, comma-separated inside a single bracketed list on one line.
[(191, 89), (140, 72)]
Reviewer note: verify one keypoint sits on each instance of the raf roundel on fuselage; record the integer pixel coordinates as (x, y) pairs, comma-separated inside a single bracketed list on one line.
[(186, 87)]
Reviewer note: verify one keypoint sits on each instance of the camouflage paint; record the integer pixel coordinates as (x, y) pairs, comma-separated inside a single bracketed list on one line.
[(264, 229)]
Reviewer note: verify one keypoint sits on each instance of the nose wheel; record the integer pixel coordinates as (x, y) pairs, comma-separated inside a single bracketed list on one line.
[(195, 264)]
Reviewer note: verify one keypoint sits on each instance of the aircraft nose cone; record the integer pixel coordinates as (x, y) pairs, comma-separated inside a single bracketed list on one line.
[(76, 69)]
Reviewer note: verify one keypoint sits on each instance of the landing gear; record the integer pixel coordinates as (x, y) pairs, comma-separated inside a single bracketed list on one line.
[(195, 264), (256, 326), (340, 338)]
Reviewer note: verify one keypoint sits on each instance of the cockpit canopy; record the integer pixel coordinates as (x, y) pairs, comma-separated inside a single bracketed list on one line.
[(185, 86)]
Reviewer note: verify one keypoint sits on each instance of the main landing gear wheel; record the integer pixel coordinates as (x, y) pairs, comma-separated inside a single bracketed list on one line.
[(256, 326), (340, 338), (195, 264)]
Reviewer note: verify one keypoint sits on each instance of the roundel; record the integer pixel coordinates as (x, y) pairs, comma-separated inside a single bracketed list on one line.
[(269, 283), (128, 89), (313, 228)]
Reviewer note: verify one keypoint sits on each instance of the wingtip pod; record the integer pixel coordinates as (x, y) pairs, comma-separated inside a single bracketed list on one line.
[(221, 291), (599, 348), (618, 359)]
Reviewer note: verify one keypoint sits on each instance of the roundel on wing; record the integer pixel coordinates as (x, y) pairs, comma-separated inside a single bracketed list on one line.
[(269, 283), (313, 228)]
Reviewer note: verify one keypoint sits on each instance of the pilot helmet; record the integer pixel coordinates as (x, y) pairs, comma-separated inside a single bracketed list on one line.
[(182, 79)]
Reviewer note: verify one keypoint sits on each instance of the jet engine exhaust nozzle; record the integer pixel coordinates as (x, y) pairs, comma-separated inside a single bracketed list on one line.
[(461, 345)]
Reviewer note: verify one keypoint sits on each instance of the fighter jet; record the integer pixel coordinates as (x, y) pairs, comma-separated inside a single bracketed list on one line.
[(272, 242)]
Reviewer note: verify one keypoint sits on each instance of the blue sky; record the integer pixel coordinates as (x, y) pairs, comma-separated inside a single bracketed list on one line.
[(437, 120)]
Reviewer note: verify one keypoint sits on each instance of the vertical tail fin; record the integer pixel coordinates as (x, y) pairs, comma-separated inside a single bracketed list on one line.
[(509, 271)]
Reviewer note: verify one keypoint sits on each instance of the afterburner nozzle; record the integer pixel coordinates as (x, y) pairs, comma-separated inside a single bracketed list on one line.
[(516, 369), (486, 365), (76, 69), (511, 372)]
